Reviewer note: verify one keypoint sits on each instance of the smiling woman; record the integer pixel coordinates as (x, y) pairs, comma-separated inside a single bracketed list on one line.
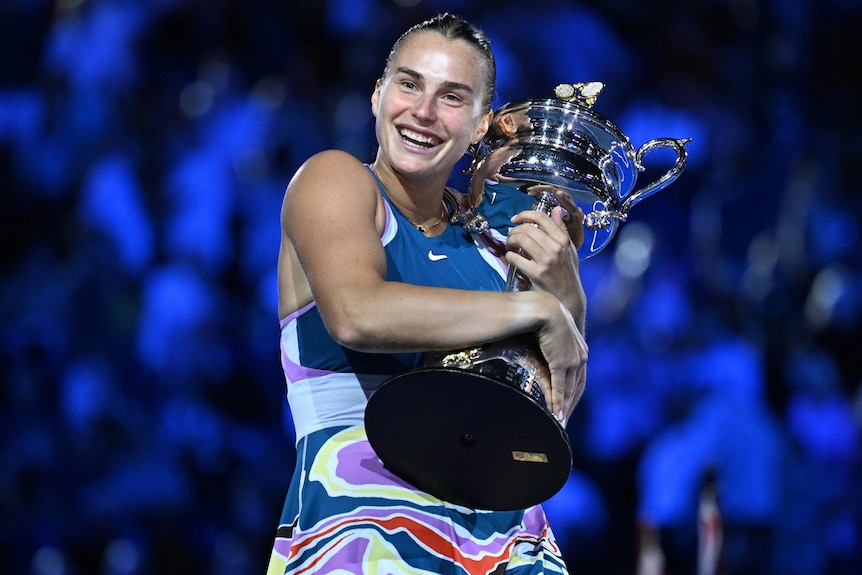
[(428, 113), (372, 272)]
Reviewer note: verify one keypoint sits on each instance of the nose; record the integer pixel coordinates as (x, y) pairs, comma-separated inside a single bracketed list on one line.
[(425, 109)]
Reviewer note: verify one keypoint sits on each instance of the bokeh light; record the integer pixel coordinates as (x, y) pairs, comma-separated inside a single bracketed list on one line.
[(144, 150)]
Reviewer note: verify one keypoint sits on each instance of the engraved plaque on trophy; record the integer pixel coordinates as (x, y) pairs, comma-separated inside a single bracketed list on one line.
[(471, 426)]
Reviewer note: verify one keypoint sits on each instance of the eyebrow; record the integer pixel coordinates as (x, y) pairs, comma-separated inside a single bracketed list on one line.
[(448, 84)]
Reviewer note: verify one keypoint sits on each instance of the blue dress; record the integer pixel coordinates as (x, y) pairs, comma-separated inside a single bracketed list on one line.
[(345, 513)]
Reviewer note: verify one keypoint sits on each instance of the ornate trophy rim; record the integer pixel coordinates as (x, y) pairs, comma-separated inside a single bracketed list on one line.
[(564, 143), (574, 110), (471, 427)]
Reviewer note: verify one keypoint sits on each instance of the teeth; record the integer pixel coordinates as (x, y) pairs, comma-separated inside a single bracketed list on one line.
[(419, 138)]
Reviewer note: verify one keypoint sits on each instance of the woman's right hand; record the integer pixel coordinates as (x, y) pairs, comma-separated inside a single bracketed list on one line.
[(565, 350)]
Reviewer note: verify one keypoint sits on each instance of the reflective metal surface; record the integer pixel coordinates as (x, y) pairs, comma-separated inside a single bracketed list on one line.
[(564, 143), (472, 426)]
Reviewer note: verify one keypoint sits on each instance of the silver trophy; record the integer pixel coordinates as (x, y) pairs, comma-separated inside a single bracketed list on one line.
[(471, 426), (561, 143)]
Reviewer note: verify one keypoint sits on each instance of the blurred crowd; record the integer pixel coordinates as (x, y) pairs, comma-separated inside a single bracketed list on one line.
[(144, 150)]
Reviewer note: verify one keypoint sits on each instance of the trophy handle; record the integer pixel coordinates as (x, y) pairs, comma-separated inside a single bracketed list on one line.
[(668, 178)]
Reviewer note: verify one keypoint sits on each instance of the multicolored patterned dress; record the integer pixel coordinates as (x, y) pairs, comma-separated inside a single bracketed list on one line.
[(344, 512)]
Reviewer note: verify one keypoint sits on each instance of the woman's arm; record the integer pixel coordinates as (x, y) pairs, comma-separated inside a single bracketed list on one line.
[(332, 218)]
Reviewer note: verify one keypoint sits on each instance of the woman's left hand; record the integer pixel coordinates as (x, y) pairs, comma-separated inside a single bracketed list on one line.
[(541, 247)]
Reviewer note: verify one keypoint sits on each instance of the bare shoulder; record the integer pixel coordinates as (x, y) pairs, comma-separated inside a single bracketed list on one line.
[(334, 185), (331, 168), (324, 199)]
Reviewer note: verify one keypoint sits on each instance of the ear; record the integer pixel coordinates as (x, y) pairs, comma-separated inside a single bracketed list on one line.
[(375, 97), (482, 127)]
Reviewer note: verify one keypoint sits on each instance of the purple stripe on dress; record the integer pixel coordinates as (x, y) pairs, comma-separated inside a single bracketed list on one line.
[(282, 546), (391, 226), (358, 464), (534, 519), (487, 253), (293, 371), (289, 318), (350, 558), (376, 509)]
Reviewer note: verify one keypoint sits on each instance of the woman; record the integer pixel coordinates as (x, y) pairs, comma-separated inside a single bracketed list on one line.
[(372, 274)]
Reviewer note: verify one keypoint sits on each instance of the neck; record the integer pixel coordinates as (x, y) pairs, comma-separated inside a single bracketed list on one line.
[(429, 226), (420, 201)]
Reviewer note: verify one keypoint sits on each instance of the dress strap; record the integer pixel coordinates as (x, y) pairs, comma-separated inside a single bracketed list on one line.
[(379, 183)]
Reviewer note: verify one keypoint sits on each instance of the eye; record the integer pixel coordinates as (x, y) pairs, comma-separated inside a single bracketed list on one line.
[(454, 99), (408, 84)]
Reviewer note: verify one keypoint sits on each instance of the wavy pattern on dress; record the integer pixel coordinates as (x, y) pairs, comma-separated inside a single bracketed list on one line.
[(368, 521)]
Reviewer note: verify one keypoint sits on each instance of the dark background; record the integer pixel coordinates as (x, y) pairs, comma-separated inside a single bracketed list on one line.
[(144, 150)]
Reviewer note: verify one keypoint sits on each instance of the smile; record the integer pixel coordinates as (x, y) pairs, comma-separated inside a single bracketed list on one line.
[(416, 139)]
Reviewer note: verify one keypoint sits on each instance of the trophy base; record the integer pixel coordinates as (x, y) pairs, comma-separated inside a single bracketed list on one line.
[(468, 439)]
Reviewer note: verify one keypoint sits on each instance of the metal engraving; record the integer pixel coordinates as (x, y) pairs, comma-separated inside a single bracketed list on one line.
[(464, 358), (530, 457)]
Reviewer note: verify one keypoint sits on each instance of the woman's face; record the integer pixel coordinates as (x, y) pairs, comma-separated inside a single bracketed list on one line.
[(428, 107)]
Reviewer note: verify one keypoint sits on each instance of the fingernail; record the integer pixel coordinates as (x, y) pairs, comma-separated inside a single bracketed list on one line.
[(563, 212)]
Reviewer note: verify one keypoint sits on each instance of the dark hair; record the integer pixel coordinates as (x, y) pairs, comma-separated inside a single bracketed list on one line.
[(456, 28)]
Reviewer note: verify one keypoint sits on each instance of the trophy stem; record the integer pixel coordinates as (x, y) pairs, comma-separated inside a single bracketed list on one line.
[(515, 280)]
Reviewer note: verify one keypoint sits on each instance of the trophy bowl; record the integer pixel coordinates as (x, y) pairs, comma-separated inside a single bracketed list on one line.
[(562, 142), (471, 426)]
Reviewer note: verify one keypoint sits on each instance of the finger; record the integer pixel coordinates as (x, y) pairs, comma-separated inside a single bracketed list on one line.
[(541, 229), (564, 198), (529, 243), (538, 188), (555, 400), (552, 225), (537, 218), (531, 258), (569, 222), (573, 221)]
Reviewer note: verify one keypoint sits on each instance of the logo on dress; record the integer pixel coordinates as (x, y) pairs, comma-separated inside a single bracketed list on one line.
[(436, 257)]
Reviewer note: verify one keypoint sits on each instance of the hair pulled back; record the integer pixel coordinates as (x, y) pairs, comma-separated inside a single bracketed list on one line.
[(456, 28)]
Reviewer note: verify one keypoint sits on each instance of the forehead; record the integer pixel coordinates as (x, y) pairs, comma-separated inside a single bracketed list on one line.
[(432, 54)]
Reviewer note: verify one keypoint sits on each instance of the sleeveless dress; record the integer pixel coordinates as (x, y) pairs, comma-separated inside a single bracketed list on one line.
[(344, 512)]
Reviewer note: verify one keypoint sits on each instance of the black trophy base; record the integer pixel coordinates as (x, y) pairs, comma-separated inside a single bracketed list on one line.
[(468, 439)]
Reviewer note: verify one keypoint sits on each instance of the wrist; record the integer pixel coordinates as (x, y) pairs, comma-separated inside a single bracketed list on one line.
[(542, 308)]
